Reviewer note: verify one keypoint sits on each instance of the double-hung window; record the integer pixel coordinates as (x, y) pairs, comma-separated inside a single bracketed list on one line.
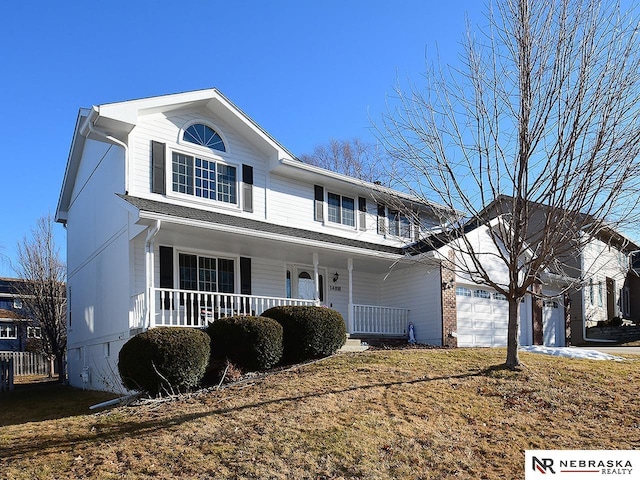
[(204, 178), (206, 274), (341, 209), (399, 224)]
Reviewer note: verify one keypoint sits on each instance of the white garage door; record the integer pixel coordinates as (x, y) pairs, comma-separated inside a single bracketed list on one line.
[(483, 316), (553, 323)]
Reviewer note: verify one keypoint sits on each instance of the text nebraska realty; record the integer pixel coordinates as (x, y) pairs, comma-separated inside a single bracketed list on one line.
[(606, 467)]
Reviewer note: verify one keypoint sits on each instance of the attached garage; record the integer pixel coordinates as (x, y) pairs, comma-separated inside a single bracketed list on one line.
[(483, 316)]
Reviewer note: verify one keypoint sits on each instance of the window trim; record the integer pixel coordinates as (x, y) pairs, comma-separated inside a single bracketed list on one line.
[(34, 332), (399, 221), (204, 254), (341, 209), (8, 328), (218, 160), (202, 148)]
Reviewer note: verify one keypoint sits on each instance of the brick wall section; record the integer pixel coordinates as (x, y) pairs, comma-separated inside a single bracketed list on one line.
[(567, 320), (449, 313)]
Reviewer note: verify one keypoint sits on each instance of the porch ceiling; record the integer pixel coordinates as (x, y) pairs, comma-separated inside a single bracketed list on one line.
[(215, 241)]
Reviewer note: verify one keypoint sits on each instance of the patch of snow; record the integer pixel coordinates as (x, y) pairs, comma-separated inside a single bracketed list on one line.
[(571, 352)]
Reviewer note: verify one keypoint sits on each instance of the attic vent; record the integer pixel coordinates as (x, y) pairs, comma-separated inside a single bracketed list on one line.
[(204, 135)]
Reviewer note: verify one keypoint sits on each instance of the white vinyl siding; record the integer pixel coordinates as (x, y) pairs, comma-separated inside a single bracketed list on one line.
[(166, 129)]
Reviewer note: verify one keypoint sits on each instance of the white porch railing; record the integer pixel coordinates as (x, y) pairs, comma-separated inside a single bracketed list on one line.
[(137, 311), (376, 320), (186, 308)]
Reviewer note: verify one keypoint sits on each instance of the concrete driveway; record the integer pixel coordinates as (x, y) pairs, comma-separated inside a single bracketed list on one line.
[(616, 350)]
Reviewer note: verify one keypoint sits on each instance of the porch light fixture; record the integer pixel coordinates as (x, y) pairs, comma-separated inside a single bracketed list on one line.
[(336, 276)]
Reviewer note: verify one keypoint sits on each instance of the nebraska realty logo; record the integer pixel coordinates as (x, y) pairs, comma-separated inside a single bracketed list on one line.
[(581, 464)]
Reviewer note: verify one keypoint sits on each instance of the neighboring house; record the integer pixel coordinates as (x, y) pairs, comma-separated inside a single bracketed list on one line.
[(16, 325), (606, 286), (181, 209), (477, 315)]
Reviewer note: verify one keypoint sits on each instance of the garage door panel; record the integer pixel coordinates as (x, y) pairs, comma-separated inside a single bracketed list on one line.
[(464, 307), (482, 308), (482, 326)]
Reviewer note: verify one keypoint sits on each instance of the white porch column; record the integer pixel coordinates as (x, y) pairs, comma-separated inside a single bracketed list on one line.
[(316, 279), (350, 307), (150, 302)]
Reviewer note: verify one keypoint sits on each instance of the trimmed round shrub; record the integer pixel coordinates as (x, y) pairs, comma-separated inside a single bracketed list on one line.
[(249, 342), (164, 360), (309, 332)]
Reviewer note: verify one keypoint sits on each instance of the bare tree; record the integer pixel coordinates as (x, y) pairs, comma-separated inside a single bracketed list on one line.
[(542, 114), (43, 291), (354, 158)]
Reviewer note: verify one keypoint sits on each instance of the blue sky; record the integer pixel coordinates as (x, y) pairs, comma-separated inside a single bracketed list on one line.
[(305, 71)]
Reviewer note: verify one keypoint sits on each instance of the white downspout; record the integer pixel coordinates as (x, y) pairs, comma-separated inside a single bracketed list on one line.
[(150, 298)]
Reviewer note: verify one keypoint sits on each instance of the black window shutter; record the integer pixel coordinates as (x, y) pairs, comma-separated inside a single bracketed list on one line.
[(166, 273), (381, 219), (247, 188), (319, 203), (166, 267), (362, 208), (158, 167), (245, 275)]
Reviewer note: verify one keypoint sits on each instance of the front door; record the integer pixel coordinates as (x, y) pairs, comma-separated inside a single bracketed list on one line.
[(306, 286), (300, 282)]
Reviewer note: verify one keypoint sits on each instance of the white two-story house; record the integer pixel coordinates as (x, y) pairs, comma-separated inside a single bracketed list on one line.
[(180, 209)]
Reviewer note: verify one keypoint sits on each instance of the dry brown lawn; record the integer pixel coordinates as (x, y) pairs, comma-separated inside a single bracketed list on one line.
[(414, 414)]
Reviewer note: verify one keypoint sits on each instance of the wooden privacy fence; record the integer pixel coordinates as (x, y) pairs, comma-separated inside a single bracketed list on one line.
[(6, 375), (27, 363)]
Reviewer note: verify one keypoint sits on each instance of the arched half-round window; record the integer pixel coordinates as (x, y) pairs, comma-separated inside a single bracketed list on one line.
[(204, 135)]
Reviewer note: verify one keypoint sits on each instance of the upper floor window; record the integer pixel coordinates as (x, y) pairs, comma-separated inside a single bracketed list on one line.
[(204, 135), (8, 331), (399, 224), (34, 332), (204, 178), (17, 303), (341, 209)]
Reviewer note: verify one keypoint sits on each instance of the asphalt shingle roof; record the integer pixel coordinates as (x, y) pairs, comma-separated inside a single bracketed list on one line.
[(207, 216)]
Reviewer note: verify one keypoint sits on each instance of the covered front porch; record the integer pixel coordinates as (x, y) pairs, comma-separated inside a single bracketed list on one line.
[(191, 274), (186, 308)]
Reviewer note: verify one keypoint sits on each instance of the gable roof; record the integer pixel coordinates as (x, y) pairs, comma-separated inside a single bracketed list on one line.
[(606, 233), (112, 122)]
